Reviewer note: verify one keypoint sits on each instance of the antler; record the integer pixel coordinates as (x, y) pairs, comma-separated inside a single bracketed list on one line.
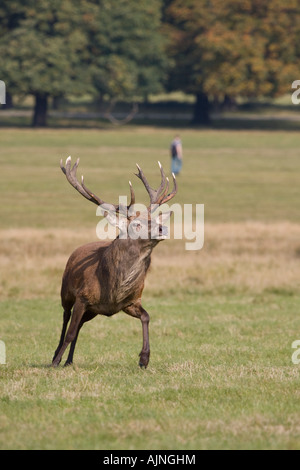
[(83, 190), (158, 196)]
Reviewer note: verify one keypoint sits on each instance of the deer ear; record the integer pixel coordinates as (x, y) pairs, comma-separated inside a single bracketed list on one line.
[(111, 217), (116, 220)]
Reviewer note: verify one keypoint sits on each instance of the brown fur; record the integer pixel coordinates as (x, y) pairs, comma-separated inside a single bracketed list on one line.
[(103, 278)]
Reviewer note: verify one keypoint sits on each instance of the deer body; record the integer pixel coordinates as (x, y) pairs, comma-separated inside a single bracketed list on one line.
[(103, 278), (107, 276)]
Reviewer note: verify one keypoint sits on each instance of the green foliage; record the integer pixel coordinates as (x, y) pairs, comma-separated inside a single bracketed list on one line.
[(43, 49), (234, 48), (125, 53), (111, 48), (120, 50)]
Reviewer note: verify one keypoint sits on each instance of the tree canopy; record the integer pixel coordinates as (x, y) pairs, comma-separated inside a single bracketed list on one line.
[(118, 49), (233, 47), (125, 50), (107, 47)]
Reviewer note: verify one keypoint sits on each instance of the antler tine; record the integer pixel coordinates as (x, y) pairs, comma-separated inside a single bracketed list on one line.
[(142, 177), (72, 178), (62, 167), (164, 193), (132, 195), (71, 175), (157, 196), (154, 194), (163, 179), (92, 196), (173, 192)]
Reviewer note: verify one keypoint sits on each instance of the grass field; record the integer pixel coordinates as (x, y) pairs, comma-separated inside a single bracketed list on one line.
[(223, 319)]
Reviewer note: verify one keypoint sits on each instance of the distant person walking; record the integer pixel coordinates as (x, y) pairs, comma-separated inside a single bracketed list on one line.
[(176, 155)]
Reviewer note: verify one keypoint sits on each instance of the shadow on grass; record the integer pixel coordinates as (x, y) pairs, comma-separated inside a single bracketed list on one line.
[(246, 121)]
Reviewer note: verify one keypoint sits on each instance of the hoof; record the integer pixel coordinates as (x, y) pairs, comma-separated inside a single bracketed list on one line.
[(55, 363), (67, 364), (144, 360)]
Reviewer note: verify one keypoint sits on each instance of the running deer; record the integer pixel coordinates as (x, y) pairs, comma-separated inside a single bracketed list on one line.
[(105, 277)]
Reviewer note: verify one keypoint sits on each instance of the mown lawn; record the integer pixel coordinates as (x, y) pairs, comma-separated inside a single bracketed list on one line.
[(220, 376), (222, 319)]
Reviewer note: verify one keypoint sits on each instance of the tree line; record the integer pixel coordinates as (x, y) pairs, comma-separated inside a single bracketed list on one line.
[(123, 49)]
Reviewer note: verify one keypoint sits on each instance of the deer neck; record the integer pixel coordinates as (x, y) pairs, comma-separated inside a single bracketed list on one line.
[(128, 252), (123, 269)]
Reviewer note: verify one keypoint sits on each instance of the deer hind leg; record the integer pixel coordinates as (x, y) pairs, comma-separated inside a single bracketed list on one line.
[(137, 311), (78, 312)]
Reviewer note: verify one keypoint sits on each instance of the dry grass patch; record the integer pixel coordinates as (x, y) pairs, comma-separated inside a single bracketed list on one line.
[(236, 257)]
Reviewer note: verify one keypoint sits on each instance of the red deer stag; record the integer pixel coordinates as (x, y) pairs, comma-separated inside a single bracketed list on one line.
[(105, 277)]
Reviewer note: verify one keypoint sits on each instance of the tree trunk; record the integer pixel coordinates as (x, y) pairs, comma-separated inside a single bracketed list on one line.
[(201, 110), (9, 101), (40, 110), (229, 103)]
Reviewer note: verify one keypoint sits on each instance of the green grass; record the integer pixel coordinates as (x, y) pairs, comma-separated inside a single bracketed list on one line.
[(220, 373), (245, 175), (220, 377)]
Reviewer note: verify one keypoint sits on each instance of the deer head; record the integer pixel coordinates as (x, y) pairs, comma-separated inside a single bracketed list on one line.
[(130, 222)]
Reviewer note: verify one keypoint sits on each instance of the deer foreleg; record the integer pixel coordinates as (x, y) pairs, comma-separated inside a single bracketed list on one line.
[(137, 311), (86, 317), (145, 352), (78, 312), (67, 315)]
